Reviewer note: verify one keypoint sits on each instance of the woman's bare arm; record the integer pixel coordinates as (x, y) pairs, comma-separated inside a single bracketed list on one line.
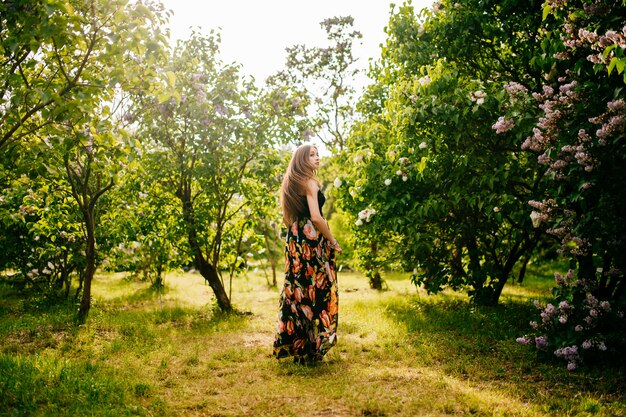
[(316, 217)]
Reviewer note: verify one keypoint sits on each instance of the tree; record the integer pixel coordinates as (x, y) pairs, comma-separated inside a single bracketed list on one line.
[(58, 58), (211, 132), (320, 78), (64, 67), (432, 183)]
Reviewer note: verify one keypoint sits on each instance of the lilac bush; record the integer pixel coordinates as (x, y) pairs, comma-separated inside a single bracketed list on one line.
[(579, 144)]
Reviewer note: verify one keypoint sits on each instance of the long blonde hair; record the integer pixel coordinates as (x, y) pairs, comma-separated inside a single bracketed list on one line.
[(299, 171)]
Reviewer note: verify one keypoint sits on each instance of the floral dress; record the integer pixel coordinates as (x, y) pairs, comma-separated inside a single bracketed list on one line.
[(308, 308)]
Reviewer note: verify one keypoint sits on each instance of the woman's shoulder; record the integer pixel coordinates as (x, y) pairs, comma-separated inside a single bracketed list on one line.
[(312, 186)]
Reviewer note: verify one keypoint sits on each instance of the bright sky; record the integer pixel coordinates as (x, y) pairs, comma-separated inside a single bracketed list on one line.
[(255, 33)]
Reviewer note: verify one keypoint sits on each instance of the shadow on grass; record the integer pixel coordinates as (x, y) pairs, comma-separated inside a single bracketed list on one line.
[(31, 323), (478, 343)]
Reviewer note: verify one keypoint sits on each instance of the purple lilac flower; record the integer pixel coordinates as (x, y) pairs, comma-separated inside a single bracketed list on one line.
[(503, 124), (541, 342)]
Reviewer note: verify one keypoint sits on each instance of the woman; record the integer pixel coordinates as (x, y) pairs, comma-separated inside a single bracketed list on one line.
[(307, 320)]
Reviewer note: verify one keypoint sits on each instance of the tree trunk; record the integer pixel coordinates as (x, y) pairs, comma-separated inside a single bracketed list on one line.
[(375, 280), (522, 270), (273, 263), (90, 268), (208, 271)]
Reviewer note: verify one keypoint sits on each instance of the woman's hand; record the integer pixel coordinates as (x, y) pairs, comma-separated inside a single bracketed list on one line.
[(335, 246)]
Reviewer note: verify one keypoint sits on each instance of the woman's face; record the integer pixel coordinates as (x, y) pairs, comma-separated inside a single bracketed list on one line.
[(314, 157)]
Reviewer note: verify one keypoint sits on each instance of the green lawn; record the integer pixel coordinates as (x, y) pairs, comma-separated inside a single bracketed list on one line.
[(400, 353)]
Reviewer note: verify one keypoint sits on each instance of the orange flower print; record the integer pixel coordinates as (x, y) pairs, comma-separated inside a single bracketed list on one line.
[(311, 293), (292, 249), (306, 251), (320, 280), (330, 271), (281, 326), (296, 266), (290, 327), (298, 344), (308, 313), (309, 230), (288, 291), (325, 318), (333, 308), (298, 294), (294, 228), (310, 272)]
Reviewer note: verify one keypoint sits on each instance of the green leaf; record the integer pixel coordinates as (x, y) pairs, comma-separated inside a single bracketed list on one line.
[(612, 65), (547, 9), (608, 50), (620, 64), (171, 78), (163, 97)]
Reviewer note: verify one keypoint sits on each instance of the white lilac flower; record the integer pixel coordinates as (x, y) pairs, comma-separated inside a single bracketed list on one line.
[(405, 178), (536, 218), (399, 172), (388, 181), (366, 214), (478, 97), (423, 145), (337, 183), (358, 158), (359, 222)]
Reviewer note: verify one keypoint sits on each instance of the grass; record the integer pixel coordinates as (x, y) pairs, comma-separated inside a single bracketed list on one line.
[(400, 353)]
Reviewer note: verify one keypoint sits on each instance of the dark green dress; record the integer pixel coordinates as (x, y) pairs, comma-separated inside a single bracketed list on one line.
[(308, 307)]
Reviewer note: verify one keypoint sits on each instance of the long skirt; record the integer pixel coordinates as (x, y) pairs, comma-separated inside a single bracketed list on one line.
[(308, 307)]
